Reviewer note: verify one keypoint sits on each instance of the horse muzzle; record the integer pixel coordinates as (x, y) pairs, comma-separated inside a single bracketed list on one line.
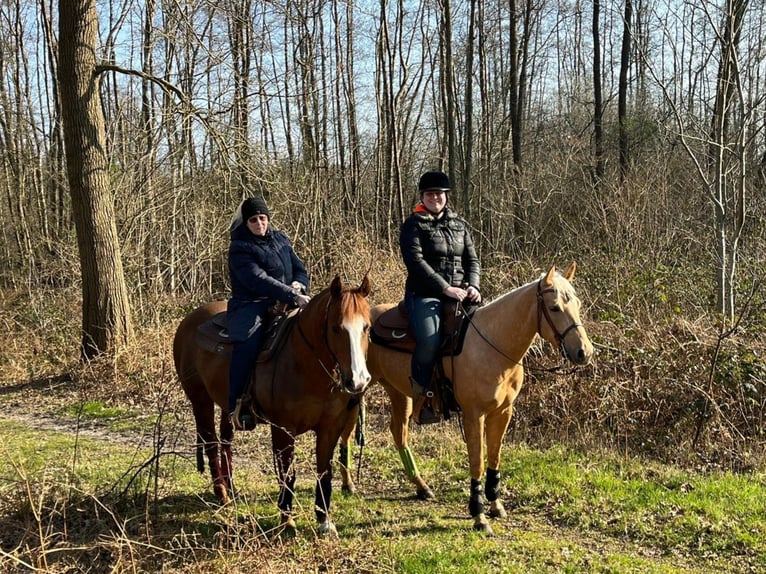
[(578, 353), (357, 383)]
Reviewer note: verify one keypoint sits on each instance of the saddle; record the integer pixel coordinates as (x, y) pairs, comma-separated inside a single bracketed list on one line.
[(392, 329), (213, 336)]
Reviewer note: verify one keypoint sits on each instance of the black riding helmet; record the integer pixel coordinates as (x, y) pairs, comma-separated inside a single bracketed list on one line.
[(434, 181)]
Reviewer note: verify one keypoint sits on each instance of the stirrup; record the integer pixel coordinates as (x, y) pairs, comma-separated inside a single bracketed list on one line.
[(423, 412), (243, 420)]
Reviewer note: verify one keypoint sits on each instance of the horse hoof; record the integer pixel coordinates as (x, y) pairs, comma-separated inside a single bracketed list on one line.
[(327, 530), (425, 494), (483, 527), (222, 496), (497, 510), (348, 489), (288, 525)]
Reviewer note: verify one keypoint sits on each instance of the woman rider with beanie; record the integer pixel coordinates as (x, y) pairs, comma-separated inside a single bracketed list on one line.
[(263, 269), (441, 263)]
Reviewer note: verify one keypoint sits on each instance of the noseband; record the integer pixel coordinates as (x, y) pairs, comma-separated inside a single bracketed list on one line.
[(542, 310)]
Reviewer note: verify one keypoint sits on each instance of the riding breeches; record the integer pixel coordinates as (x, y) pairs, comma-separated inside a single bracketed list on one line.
[(425, 322)]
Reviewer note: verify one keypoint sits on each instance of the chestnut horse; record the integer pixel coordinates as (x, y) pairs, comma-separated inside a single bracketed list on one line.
[(487, 376), (313, 383)]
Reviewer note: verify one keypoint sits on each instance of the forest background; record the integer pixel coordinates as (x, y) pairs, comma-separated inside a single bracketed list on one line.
[(628, 136)]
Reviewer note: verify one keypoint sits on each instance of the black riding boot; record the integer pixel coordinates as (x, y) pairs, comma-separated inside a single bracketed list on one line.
[(422, 405)]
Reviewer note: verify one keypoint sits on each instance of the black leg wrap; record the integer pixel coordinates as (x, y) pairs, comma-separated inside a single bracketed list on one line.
[(492, 488), (285, 500), (343, 455), (322, 496), (475, 504)]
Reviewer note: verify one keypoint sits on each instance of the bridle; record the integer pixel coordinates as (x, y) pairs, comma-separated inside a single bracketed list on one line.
[(542, 311), (331, 373)]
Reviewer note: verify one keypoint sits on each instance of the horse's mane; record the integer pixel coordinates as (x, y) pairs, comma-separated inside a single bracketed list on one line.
[(567, 291)]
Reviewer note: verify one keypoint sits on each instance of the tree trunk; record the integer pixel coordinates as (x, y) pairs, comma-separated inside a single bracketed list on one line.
[(468, 105), (723, 161), (106, 323), (598, 136), (622, 98), (448, 79)]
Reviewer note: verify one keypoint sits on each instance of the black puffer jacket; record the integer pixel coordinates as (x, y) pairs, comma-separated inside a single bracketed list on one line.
[(438, 253)]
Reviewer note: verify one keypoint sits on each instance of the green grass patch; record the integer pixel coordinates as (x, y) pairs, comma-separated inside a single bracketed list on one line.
[(79, 502), (95, 410)]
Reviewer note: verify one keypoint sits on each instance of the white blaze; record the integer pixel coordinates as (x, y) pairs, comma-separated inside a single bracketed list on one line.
[(359, 373)]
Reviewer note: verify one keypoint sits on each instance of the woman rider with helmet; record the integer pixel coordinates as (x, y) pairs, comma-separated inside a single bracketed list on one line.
[(441, 263)]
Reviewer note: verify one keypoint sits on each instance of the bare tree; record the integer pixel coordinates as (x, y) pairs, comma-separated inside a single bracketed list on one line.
[(447, 85), (106, 321), (727, 153), (622, 97), (468, 131), (721, 168)]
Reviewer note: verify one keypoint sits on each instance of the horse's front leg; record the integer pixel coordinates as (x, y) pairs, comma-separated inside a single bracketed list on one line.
[(283, 448), (325, 445), (226, 432), (474, 437), (401, 409), (497, 425)]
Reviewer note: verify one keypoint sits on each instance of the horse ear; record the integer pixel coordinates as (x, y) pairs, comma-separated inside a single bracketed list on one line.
[(336, 287), (366, 286), (549, 276), (571, 271)]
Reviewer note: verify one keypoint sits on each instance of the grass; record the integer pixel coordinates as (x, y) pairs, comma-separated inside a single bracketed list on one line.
[(74, 504)]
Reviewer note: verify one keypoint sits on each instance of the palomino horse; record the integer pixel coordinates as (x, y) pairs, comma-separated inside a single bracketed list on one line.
[(487, 376), (313, 383)]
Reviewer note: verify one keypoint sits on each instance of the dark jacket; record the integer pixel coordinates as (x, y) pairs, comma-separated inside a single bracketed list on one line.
[(438, 253), (261, 270), (263, 267)]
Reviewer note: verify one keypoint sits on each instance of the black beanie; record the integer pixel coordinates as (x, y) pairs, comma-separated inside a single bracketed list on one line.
[(254, 206)]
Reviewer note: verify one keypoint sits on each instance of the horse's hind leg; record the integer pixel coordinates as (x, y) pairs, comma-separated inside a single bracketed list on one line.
[(283, 448), (207, 440), (401, 408), (344, 450)]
